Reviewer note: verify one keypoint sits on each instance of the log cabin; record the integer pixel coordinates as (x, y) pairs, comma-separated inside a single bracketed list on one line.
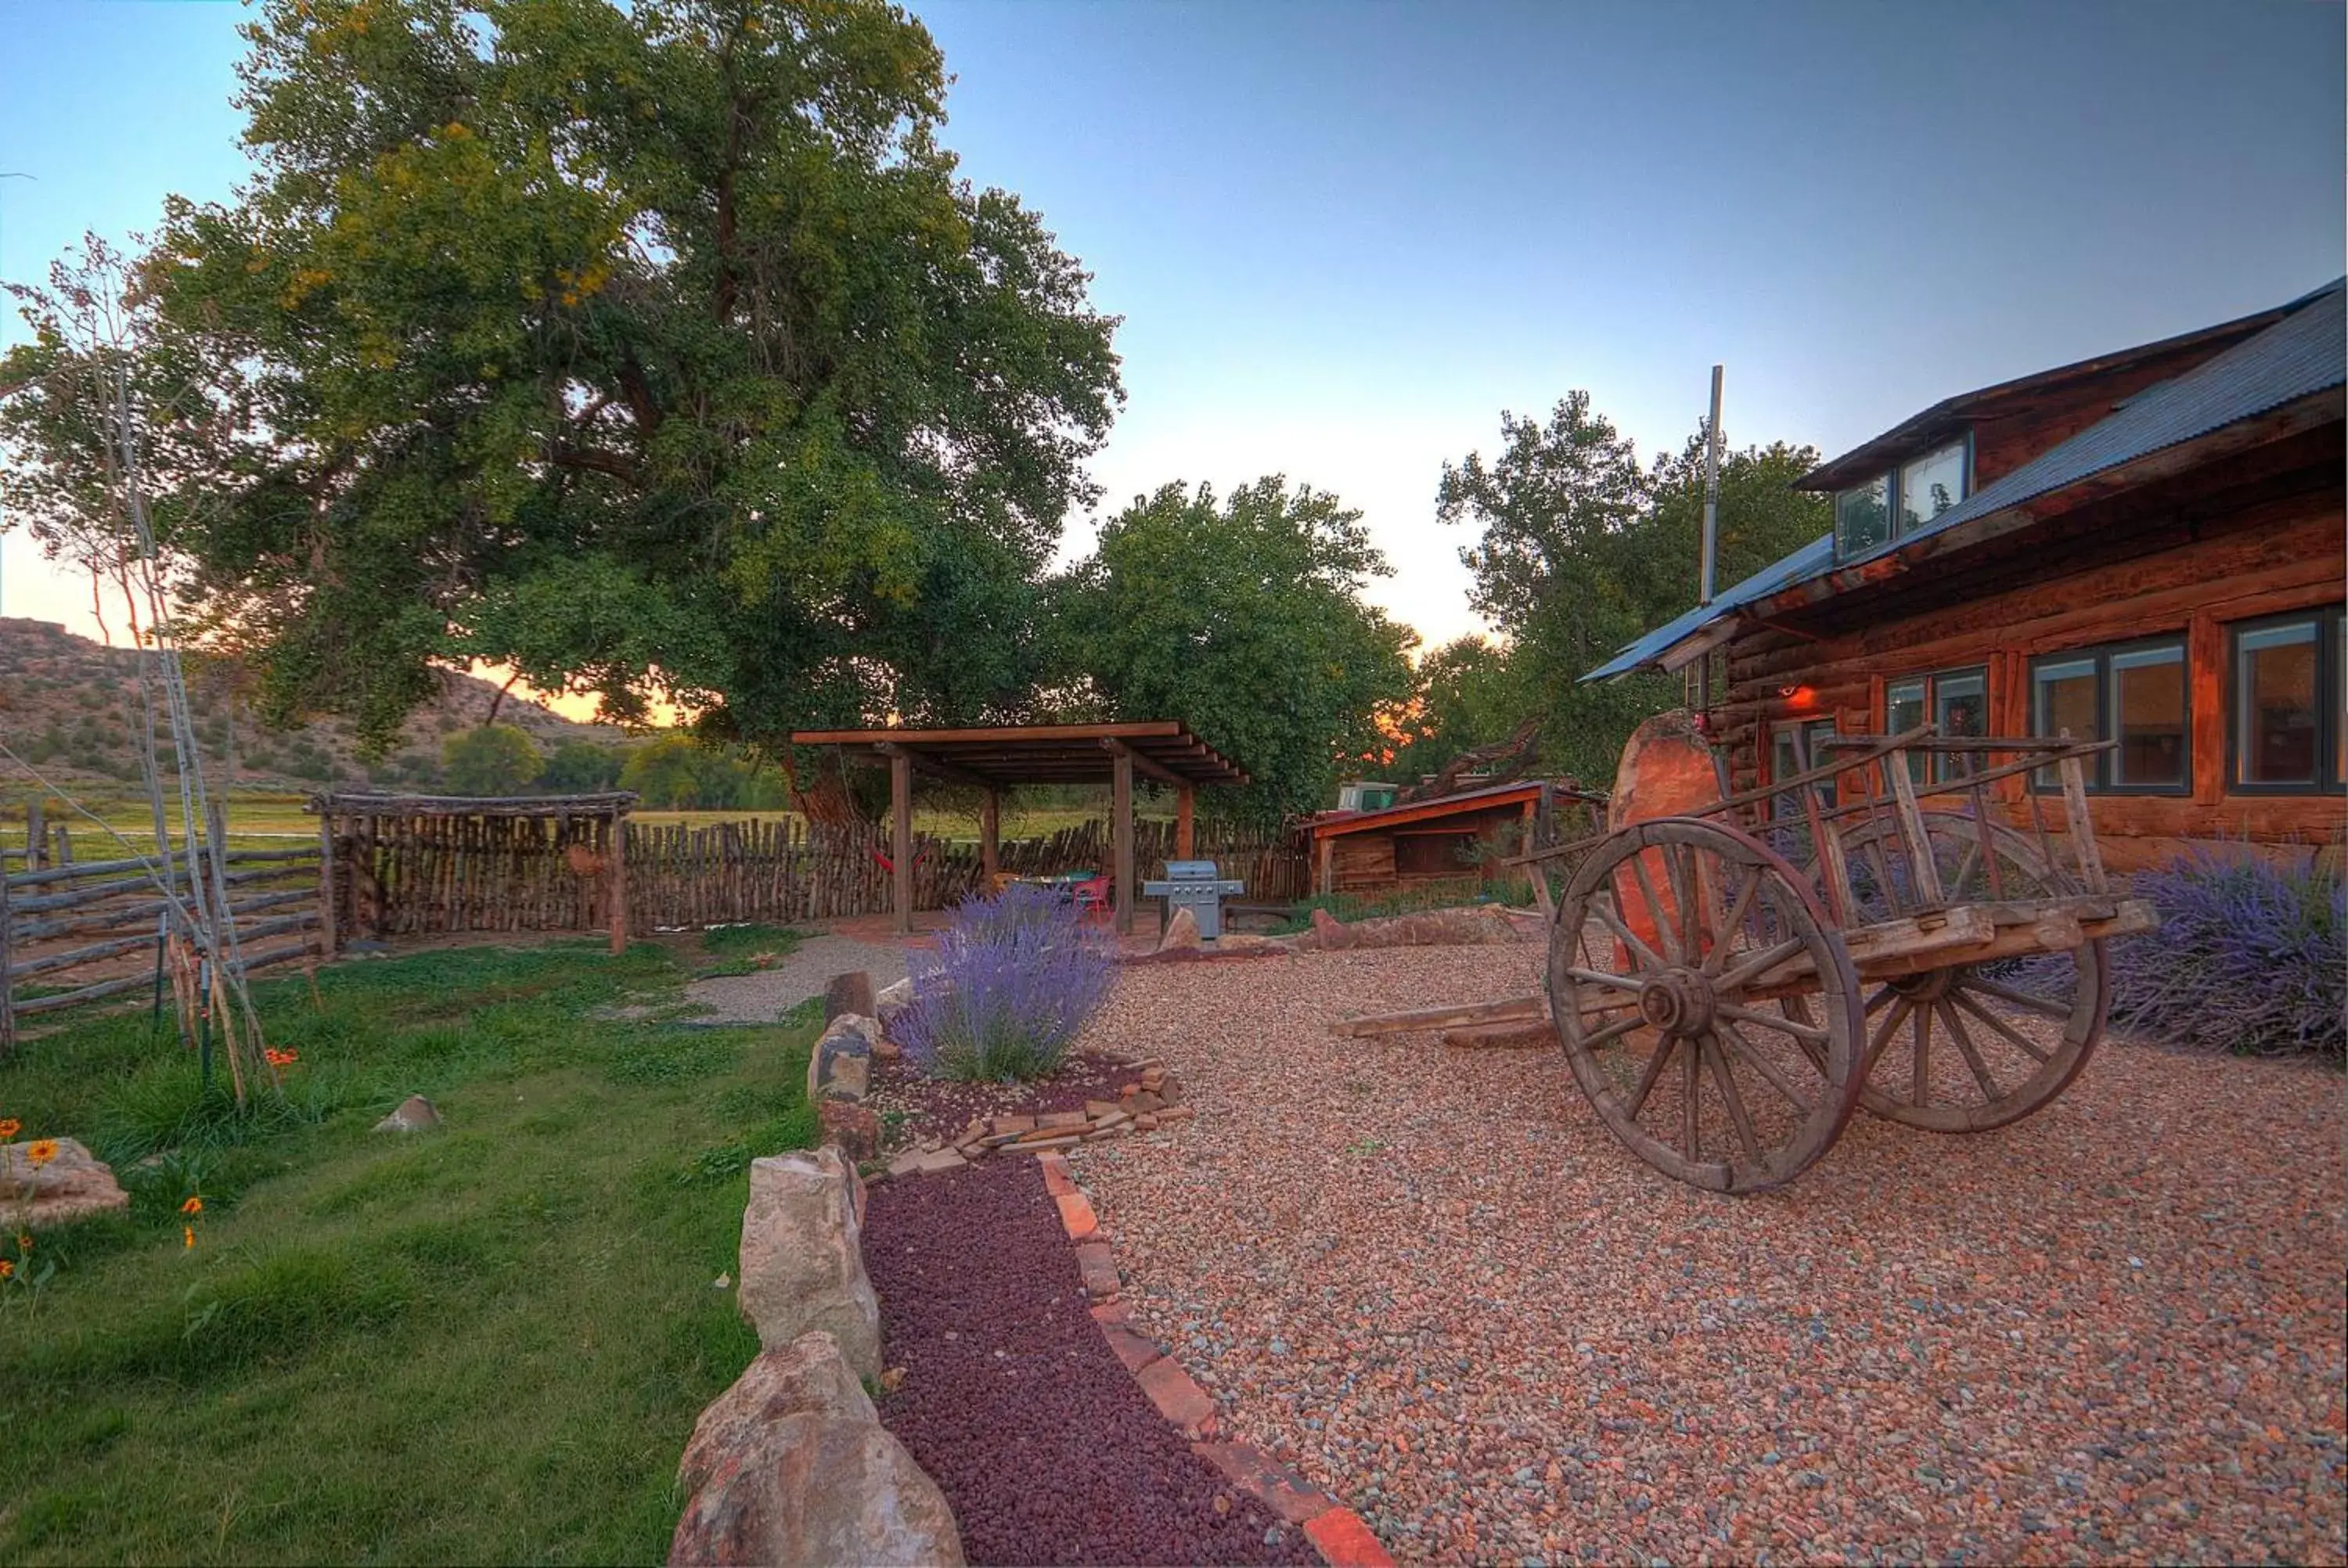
[(2145, 546)]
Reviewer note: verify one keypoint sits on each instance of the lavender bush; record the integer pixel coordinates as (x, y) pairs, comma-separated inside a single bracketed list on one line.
[(1013, 979), (2247, 957)]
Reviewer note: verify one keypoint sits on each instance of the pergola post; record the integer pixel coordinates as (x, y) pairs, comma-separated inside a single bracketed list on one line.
[(901, 839), (1121, 828), (990, 837), (1185, 804)]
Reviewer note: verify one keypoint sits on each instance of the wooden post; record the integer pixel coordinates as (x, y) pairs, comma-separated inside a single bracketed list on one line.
[(329, 938), (1186, 804), (990, 837), (7, 987), (1121, 832), (619, 882), (901, 839), (36, 835), (1324, 883)]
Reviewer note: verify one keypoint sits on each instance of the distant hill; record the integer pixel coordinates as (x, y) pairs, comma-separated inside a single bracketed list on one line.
[(70, 706)]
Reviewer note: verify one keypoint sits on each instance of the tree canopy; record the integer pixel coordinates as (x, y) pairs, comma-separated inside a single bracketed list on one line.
[(1582, 549), (490, 760), (655, 350), (1244, 618)]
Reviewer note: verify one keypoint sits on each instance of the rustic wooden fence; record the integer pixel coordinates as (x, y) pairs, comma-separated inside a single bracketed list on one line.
[(73, 930), (399, 877)]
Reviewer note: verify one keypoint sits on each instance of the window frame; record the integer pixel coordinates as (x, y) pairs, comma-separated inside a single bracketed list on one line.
[(2096, 771), (2331, 625), (1894, 494), (1942, 769)]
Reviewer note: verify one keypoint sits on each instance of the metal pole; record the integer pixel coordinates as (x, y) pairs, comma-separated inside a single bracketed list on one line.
[(1711, 491)]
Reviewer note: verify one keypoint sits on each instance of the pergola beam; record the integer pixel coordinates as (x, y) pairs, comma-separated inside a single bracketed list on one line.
[(936, 767), (1147, 766)]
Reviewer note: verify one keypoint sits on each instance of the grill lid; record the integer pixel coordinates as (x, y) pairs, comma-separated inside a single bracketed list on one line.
[(1191, 870)]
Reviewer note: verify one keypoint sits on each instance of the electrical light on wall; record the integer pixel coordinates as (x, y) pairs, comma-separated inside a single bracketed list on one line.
[(1798, 696)]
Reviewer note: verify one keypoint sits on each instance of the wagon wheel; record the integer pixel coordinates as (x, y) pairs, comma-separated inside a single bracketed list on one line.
[(1972, 1046), (1669, 941)]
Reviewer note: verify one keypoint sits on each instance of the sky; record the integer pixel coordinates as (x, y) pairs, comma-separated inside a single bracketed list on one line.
[(1344, 237)]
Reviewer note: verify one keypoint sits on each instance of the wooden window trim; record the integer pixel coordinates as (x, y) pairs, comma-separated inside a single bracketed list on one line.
[(2098, 770), (2328, 695)]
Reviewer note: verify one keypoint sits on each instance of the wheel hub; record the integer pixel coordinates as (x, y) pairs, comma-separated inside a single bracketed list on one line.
[(1678, 1001), (1929, 986)]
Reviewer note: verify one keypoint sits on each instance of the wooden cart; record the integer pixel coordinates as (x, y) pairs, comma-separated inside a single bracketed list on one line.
[(1730, 984)]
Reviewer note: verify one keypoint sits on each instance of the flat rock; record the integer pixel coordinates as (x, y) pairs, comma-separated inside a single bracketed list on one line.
[(415, 1115), (74, 1185)]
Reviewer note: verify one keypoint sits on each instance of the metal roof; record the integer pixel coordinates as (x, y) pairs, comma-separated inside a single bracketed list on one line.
[(2299, 354)]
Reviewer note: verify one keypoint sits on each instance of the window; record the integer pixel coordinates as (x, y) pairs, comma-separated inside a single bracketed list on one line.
[(2286, 694), (1957, 701), (2134, 693), (1863, 516), (1931, 485), (1895, 505), (1796, 747)]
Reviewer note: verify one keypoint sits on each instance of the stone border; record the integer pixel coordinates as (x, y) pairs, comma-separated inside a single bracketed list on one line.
[(1336, 1531)]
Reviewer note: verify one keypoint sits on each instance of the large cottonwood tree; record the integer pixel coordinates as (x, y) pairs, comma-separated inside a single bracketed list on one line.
[(658, 350)]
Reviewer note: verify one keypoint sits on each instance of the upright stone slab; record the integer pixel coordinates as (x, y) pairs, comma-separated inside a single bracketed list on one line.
[(1666, 771), (802, 1260), (847, 993), (840, 1067)]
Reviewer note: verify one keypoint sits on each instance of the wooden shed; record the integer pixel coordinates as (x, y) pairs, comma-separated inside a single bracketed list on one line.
[(2144, 548), (1453, 838)]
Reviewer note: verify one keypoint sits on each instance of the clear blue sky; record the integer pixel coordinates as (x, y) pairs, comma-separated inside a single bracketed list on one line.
[(1346, 236)]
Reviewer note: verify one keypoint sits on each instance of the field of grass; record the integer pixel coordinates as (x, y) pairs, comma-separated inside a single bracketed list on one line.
[(483, 1344)]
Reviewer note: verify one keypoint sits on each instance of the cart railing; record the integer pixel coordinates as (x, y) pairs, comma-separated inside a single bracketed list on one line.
[(1873, 858)]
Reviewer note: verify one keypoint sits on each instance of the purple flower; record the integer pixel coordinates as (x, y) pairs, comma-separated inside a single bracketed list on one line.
[(1014, 977)]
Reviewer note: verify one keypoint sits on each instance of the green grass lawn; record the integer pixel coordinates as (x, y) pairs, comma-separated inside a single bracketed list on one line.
[(483, 1344)]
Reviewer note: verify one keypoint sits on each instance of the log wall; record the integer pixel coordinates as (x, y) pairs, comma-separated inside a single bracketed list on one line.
[(2193, 576)]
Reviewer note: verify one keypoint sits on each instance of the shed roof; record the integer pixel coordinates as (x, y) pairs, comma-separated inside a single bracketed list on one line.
[(1040, 753), (1490, 797), (2298, 355)]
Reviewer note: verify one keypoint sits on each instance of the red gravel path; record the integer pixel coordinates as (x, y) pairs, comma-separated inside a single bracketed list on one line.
[(1428, 1280), (1012, 1400)]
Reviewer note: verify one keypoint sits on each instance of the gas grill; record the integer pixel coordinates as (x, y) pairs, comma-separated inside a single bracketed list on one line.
[(1193, 884)]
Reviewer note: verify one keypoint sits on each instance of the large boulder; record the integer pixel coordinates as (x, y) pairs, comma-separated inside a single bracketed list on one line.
[(809, 1377), (892, 1000), (841, 1067), (802, 1260), (1181, 933), (847, 993), (819, 1489), (72, 1185)]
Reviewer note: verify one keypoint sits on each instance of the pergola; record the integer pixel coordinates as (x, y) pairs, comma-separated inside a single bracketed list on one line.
[(990, 759)]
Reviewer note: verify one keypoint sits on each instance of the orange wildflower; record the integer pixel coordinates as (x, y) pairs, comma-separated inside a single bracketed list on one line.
[(7, 1269), (8, 1125), (187, 1236), (192, 1206), (42, 1152)]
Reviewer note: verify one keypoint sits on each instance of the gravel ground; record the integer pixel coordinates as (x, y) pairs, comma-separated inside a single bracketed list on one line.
[(1043, 1444), (767, 994), (1431, 1282)]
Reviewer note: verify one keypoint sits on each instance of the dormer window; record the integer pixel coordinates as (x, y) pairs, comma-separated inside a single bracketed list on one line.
[(1897, 504)]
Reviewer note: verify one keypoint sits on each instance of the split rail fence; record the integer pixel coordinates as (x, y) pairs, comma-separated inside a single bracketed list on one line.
[(75, 931)]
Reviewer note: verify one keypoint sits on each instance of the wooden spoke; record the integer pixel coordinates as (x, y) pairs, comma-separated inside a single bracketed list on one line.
[(1767, 958), (1691, 1134), (1734, 921), (1808, 1033), (1600, 977), (1758, 1061), (2023, 1000), (1648, 957), (1679, 876), (1920, 1063), (1961, 997), (1875, 1002), (1965, 867), (1886, 1030), (1716, 1056), (1664, 932), (1966, 1049), (1593, 1042), (1663, 1048)]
